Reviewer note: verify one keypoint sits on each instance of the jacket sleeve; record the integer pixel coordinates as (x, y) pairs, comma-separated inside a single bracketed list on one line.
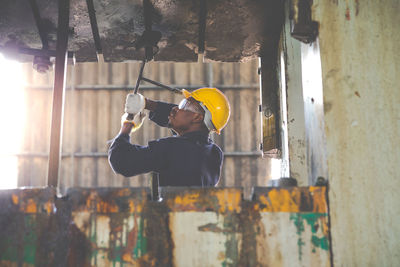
[(130, 159), (160, 115)]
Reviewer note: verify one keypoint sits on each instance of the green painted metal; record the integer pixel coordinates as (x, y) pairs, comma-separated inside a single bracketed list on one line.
[(122, 227)]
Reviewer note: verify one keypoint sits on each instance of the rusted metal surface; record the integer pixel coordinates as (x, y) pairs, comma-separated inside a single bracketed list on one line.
[(107, 227), (123, 227), (360, 43), (32, 233)]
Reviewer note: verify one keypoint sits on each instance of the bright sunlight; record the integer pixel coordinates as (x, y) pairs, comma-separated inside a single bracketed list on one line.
[(12, 112)]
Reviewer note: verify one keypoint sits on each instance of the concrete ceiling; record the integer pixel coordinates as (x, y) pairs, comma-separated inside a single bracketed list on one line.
[(235, 30)]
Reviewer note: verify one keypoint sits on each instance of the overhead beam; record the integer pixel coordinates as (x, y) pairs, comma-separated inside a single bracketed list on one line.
[(57, 115), (39, 24), (93, 24)]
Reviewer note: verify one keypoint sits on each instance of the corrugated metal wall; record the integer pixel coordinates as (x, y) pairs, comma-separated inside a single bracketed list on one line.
[(360, 44), (93, 116)]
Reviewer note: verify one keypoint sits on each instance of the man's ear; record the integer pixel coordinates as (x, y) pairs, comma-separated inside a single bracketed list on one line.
[(197, 118)]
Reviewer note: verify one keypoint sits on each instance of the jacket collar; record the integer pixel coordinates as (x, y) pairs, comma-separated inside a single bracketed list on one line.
[(201, 136)]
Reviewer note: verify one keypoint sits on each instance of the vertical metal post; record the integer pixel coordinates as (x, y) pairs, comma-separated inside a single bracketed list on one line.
[(155, 184), (202, 26), (270, 105), (58, 93)]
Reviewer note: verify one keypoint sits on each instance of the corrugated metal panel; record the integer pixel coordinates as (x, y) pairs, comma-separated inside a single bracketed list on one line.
[(360, 44), (189, 227)]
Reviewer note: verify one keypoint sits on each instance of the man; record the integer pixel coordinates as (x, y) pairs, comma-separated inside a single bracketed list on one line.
[(188, 159)]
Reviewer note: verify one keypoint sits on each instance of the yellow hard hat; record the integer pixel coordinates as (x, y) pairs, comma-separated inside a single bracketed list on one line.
[(215, 104)]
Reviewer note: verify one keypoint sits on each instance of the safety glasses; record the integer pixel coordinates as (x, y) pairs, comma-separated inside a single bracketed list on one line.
[(190, 106)]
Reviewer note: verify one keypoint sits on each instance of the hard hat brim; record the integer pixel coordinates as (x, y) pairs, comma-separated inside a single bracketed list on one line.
[(186, 93)]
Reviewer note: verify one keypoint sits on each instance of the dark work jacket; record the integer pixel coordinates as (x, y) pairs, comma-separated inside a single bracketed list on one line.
[(188, 160)]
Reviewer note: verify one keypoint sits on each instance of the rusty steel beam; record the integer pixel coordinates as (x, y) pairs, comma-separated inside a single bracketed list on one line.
[(39, 24), (147, 87), (58, 93)]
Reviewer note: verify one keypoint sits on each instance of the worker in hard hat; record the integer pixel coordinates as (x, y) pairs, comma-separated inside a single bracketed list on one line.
[(189, 158)]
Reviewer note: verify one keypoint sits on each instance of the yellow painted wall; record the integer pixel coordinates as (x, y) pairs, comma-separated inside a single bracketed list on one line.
[(360, 55)]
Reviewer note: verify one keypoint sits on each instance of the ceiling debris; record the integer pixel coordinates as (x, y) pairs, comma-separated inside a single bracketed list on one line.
[(235, 30)]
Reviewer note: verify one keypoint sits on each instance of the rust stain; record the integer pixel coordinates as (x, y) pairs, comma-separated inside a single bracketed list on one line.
[(105, 207), (14, 199), (134, 207), (280, 200), (123, 192), (186, 202), (94, 202), (357, 93), (311, 199), (228, 201), (319, 199), (213, 227), (221, 256), (30, 207), (131, 244), (218, 200), (49, 207), (121, 200), (347, 13)]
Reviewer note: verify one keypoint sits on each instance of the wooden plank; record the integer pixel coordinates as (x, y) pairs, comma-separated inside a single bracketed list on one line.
[(86, 141), (217, 79), (237, 114), (66, 168), (104, 172), (248, 112), (229, 133), (39, 124)]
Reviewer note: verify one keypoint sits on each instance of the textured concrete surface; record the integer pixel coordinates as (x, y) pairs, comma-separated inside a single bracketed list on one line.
[(360, 44), (235, 30)]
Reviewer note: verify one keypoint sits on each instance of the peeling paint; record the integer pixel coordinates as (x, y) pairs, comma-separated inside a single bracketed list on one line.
[(311, 199), (314, 221), (105, 228)]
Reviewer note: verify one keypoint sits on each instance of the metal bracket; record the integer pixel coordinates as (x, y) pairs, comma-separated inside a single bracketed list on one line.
[(302, 27), (149, 38)]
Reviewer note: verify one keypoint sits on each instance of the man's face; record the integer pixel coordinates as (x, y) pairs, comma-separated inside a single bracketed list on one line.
[(181, 117)]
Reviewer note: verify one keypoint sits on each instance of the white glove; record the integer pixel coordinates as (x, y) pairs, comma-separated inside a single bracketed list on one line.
[(137, 121), (135, 103)]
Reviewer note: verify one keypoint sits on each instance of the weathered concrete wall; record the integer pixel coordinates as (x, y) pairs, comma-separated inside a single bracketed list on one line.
[(189, 227), (360, 44)]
